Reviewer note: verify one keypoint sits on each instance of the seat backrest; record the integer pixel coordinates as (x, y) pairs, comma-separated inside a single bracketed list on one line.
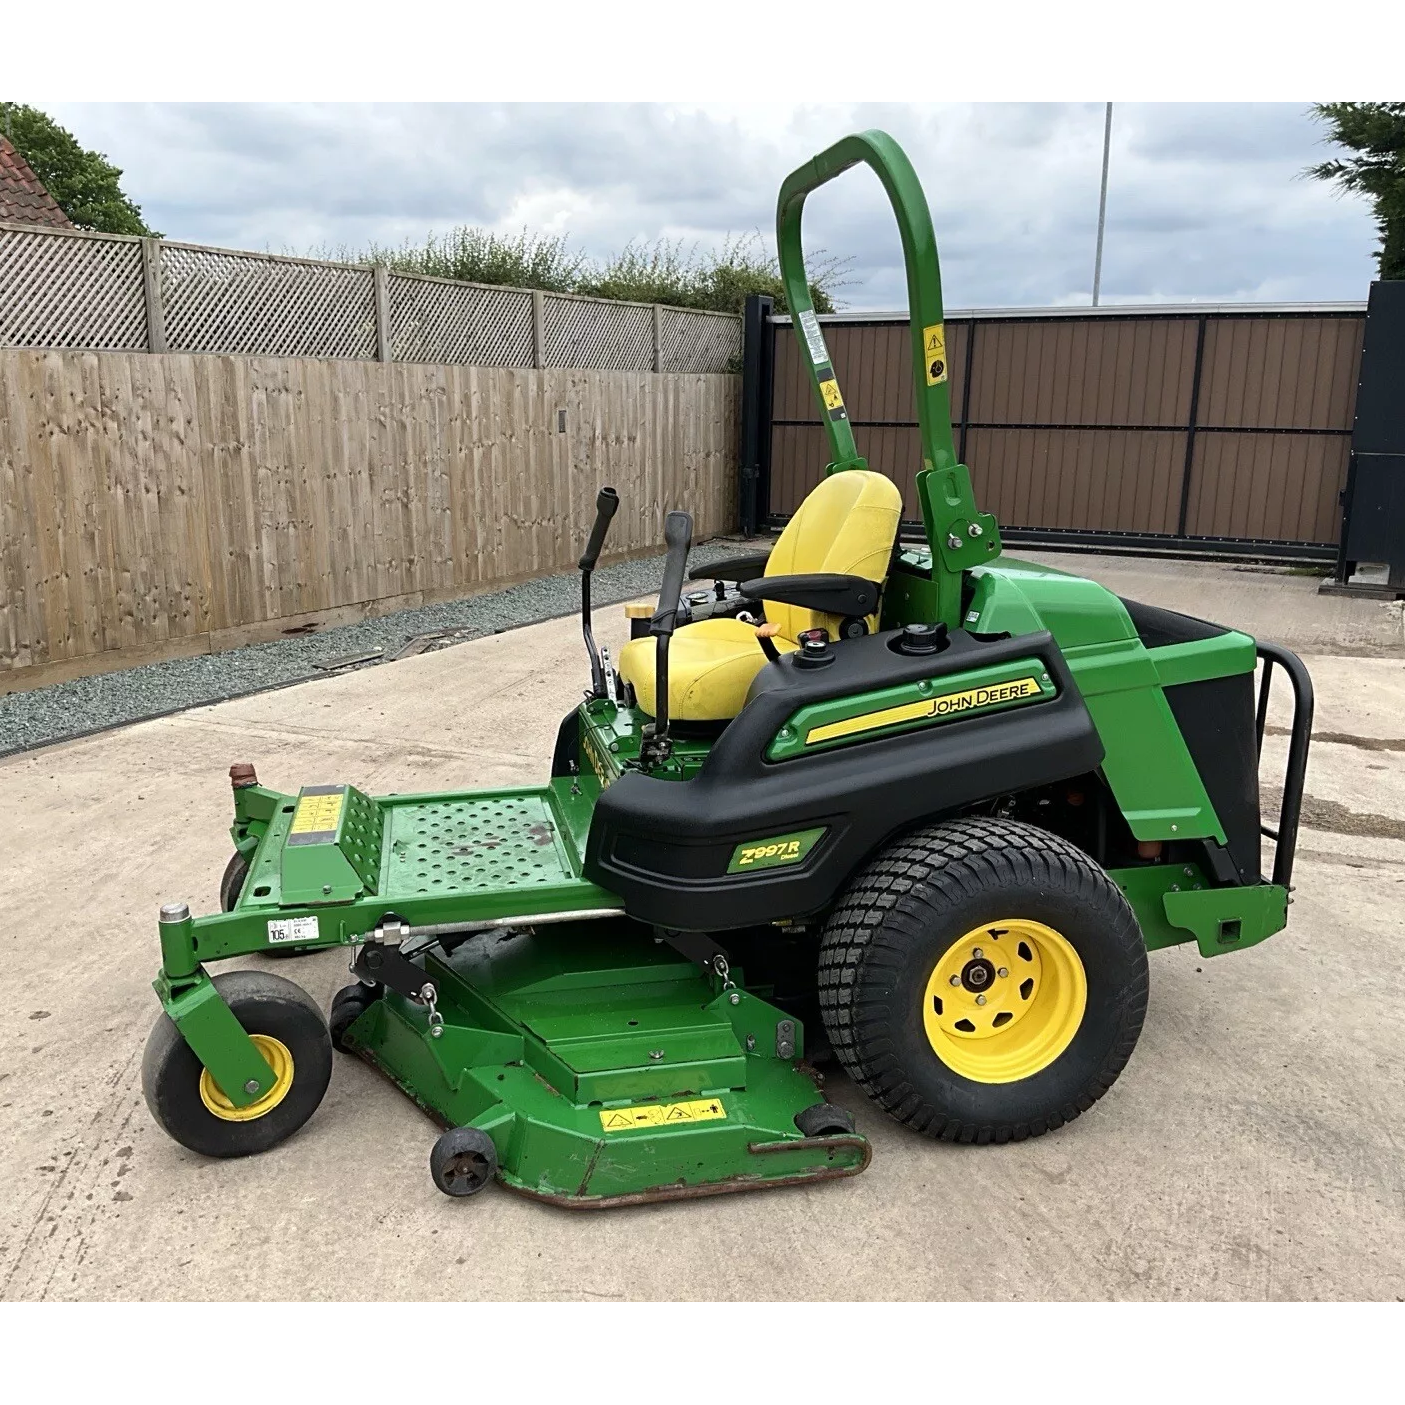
[(847, 525)]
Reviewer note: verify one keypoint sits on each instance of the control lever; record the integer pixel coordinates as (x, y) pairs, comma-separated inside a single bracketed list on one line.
[(607, 503), (678, 535)]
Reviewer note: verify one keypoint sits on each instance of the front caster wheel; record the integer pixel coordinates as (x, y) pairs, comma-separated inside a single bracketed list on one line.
[(348, 1005), (290, 1033), (463, 1161)]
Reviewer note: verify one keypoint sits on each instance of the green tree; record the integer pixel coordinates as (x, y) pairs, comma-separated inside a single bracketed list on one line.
[(85, 183), (1375, 131)]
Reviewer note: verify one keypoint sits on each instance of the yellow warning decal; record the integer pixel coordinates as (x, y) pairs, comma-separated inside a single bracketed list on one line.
[(623, 1119), (318, 814), (829, 390), (934, 353), (994, 695)]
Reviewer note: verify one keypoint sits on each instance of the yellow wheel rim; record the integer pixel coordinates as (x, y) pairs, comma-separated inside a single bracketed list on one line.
[(1004, 1001), (279, 1060)]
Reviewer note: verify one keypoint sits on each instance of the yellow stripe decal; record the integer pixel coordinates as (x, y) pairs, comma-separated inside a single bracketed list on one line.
[(946, 705)]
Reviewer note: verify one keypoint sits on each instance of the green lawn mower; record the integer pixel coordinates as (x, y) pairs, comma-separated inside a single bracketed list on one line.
[(921, 807)]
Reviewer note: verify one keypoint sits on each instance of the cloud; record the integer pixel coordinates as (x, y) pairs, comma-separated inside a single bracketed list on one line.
[(1205, 200)]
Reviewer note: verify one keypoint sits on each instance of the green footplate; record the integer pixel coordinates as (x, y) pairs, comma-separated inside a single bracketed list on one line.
[(607, 1069)]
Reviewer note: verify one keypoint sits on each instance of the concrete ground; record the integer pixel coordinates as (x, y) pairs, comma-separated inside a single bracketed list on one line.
[(1252, 1148)]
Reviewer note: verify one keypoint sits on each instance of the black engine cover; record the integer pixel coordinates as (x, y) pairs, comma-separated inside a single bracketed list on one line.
[(664, 845)]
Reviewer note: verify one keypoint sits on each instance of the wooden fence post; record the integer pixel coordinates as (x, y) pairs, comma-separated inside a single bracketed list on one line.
[(151, 290), (380, 281), (538, 329), (658, 338)]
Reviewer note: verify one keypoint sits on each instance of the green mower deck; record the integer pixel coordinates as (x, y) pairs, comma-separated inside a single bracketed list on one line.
[(608, 1070)]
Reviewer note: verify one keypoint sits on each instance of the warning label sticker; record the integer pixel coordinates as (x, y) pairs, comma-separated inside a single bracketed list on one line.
[(833, 400), (624, 1119), (934, 352), (318, 813), (814, 338), (293, 929)]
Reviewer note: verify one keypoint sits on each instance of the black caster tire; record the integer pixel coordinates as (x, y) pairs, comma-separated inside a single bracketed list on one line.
[(463, 1161), (232, 883), (983, 981), (825, 1120), (291, 1033), (348, 1005)]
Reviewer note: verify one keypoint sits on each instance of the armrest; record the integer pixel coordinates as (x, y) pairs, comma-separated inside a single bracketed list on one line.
[(733, 568), (829, 593)]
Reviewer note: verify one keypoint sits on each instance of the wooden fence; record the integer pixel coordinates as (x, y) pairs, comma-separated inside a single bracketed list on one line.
[(159, 505)]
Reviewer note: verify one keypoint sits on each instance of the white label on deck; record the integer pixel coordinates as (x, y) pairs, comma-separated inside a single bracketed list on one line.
[(293, 929)]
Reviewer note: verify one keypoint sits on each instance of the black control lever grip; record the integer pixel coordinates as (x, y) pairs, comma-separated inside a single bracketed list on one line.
[(606, 505), (678, 535)]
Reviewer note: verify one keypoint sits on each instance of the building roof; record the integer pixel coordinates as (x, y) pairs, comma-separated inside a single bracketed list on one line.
[(23, 198)]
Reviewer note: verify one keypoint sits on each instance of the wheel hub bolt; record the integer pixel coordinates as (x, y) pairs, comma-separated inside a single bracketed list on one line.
[(956, 980), (980, 1000), (977, 953), (1003, 972), (252, 1086)]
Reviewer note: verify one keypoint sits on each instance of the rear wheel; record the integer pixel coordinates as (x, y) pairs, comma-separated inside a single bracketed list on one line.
[(290, 1033), (983, 981)]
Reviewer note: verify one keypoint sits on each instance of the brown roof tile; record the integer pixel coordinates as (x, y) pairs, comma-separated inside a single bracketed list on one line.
[(23, 198)]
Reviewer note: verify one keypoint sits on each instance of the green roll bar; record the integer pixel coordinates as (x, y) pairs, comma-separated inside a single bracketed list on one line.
[(960, 536)]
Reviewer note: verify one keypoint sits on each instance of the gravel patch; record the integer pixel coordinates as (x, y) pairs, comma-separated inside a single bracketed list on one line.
[(96, 703)]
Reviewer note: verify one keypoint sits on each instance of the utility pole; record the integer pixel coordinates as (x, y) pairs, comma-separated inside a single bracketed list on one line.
[(1102, 207)]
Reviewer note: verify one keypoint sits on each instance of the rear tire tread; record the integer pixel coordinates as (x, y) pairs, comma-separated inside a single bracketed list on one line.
[(953, 858)]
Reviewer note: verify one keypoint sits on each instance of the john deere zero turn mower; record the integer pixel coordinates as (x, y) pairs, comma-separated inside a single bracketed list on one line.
[(930, 803)]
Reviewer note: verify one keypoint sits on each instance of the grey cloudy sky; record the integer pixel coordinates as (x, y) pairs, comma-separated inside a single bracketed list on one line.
[(1205, 199)]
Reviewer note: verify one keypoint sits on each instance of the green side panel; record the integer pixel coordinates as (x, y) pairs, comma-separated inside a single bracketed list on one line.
[(1146, 887), (1229, 919), (1149, 769), (1200, 659), (1147, 764), (331, 853), (605, 1066), (925, 703), (774, 851), (218, 1040)]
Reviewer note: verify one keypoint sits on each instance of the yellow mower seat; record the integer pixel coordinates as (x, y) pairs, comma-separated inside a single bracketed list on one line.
[(847, 526)]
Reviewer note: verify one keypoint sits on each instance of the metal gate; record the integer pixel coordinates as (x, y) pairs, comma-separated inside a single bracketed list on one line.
[(1214, 428)]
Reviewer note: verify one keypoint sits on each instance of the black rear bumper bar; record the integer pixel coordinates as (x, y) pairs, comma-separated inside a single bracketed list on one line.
[(1285, 836)]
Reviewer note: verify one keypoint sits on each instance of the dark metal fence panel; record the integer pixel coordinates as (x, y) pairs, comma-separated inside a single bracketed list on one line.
[(1210, 426)]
